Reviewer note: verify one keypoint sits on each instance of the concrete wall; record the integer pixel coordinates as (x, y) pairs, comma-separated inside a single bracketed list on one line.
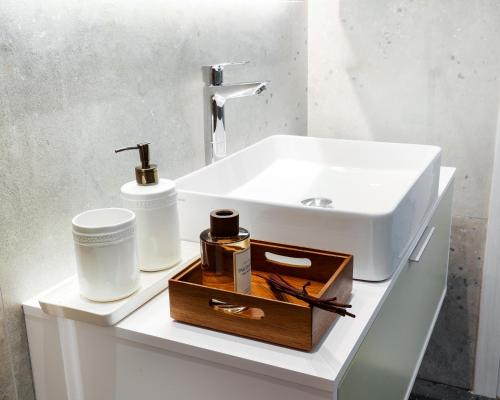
[(78, 79), (81, 78), (419, 72)]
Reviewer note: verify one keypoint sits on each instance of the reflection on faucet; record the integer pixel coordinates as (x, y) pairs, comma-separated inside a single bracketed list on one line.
[(216, 95)]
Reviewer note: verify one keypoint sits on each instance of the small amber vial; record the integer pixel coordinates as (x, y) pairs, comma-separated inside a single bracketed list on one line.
[(225, 253)]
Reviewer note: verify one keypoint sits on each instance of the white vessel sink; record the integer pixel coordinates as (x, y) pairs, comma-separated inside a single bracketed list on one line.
[(379, 194)]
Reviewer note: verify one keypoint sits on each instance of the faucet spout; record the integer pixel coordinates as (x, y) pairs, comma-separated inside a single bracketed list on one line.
[(225, 92)]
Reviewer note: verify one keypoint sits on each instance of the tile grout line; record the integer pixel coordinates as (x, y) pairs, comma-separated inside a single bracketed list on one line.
[(444, 384)]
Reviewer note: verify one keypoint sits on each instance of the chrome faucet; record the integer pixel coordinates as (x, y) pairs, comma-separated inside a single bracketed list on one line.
[(216, 94)]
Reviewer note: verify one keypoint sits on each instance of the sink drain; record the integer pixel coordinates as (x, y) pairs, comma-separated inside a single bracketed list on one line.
[(321, 202)]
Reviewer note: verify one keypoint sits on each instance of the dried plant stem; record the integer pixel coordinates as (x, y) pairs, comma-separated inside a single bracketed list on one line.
[(279, 284)]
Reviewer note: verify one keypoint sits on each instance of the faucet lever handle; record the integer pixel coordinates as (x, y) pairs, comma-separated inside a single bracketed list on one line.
[(226, 64), (217, 71)]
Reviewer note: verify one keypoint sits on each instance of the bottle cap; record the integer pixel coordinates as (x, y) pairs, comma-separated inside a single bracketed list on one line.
[(224, 223)]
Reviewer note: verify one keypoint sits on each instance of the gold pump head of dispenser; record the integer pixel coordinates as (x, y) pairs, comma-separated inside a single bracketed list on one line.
[(146, 173)]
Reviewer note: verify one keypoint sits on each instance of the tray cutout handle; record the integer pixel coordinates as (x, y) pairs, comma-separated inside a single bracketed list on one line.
[(293, 262), (236, 310)]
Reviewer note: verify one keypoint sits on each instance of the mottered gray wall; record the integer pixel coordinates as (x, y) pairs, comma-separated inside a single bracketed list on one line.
[(419, 72), (81, 78)]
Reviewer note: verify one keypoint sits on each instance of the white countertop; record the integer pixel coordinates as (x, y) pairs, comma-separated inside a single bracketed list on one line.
[(151, 325)]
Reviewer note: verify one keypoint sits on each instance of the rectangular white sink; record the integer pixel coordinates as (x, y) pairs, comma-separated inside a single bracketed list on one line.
[(379, 192)]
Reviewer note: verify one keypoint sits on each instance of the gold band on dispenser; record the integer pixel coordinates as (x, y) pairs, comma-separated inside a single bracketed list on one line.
[(146, 176)]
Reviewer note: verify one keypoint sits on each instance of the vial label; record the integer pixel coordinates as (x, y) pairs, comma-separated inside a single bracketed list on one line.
[(242, 271)]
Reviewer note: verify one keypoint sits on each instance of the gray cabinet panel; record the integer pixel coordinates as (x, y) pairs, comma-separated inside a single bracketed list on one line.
[(384, 366)]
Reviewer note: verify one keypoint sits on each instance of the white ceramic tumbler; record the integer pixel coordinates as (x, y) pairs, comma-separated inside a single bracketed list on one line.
[(106, 253)]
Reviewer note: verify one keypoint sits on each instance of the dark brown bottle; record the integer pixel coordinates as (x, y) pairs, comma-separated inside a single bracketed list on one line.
[(225, 253)]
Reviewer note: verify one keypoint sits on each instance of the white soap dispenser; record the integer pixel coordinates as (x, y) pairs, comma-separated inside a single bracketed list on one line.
[(154, 201)]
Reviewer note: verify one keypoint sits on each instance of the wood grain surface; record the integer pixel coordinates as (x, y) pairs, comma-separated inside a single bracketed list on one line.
[(267, 316)]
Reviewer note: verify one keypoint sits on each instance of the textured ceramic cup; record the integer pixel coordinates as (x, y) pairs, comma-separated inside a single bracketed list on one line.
[(106, 253), (155, 206)]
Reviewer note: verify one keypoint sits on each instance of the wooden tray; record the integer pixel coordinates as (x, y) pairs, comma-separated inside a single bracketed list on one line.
[(286, 321)]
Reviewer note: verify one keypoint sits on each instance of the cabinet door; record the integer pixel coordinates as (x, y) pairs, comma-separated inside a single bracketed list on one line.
[(385, 364)]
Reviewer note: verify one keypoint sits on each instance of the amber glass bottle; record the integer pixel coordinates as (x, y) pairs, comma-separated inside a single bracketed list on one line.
[(225, 253)]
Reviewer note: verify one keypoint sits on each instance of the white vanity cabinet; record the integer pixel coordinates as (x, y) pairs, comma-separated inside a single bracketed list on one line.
[(149, 356)]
